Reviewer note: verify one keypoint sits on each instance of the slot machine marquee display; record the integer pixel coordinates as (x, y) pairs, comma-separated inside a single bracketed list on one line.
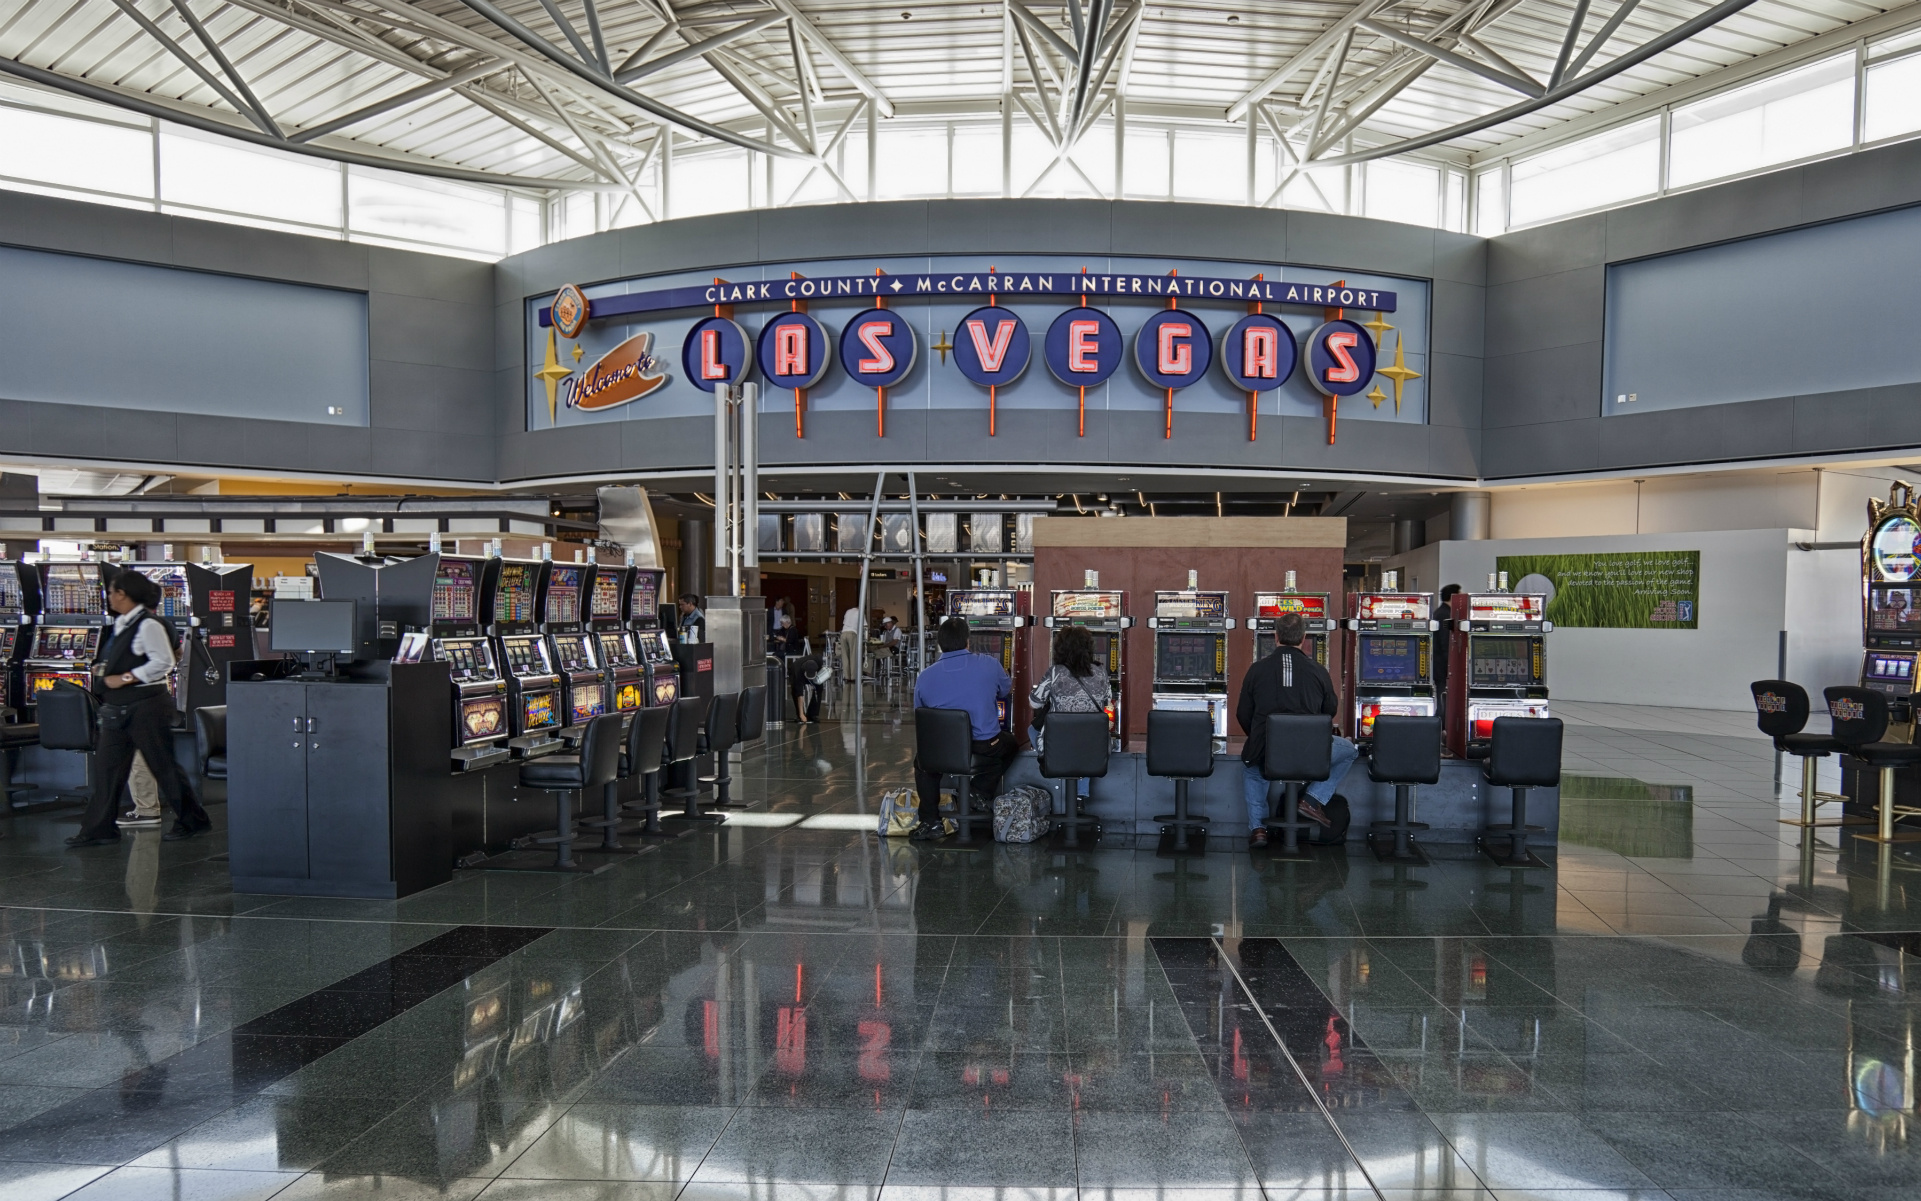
[(70, 608), (608, 596), (13, 618), (1499, 654), (1890, 623), (1103, 614), (210, 607), (559, 612), (659, 674), (1390, 658), (463, 590), (1190, 654), (533, 687), (1270, 607), (994, 623)]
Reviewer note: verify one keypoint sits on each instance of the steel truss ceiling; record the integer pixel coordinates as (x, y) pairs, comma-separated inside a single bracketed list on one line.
[(576, 93)]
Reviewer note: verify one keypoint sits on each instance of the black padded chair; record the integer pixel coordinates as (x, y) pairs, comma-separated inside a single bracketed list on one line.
[(69, 717), (210, 741), (14, 736), (1075, 748), (944, 745), (1860, 720), (1524, 753), (753, 714), (571, 776), (717, 737), (1781, 710), (1406, 752), (683, 748), (1180, 746), (1299, 752), (641, 756)]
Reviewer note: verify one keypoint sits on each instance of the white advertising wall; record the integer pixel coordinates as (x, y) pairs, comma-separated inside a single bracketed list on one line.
[(1753, 585)]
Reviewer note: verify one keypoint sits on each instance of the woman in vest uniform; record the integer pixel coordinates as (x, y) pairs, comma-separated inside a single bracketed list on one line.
[(130, 682)]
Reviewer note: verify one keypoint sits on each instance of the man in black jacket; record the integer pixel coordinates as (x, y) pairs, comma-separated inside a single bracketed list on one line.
[(1287, 681)]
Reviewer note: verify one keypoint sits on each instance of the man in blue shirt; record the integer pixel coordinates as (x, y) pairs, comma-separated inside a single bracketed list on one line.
[(961, 679)]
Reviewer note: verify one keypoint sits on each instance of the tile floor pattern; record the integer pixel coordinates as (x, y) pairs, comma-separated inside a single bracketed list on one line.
[(1693, 1004)]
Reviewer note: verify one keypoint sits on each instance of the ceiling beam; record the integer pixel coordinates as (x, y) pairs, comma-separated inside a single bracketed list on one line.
[(842, 63), (1567, 44), (1300, 61), (1526, 87), (400, 100), (696, 49), (226, 65)]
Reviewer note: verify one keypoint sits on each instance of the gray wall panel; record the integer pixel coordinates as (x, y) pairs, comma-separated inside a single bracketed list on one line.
[(408, 329), (1559, 384), (1461, 258), (48, 223), (1324, 240), (281, 444), (1453, 451), (1716, 434), (1547, 310), (1067, 227), (1460, 318), (1859, 183), (136, 434), (715, 240), (64, 430), (269, 254), (1737, 209), (432, 276), (428, 399), (679, 440), (1211, 231), (1545, 449), (211, 440), (1454, 391), (1547, 250), (823, 231), (351, 445), (1858, 420)]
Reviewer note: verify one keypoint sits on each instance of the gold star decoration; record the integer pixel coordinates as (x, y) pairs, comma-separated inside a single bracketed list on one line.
[(943, 345), (1379, 325), (576, 352), (551, 373), (1377, 396), (1399, 372)]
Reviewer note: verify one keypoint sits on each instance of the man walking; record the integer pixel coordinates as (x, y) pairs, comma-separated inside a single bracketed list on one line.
[(1287, 681)]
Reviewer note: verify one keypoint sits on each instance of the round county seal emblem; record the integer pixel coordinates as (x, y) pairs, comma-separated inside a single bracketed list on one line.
[(570, 311)]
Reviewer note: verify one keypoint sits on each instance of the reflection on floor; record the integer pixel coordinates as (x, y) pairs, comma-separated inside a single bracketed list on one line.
[(1694, 1002)]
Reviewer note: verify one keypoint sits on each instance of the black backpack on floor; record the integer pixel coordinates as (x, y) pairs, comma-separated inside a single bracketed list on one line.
[(1338, 818)]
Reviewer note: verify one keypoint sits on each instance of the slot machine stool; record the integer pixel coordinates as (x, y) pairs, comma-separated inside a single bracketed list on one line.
[(1781, 710), (1180, 746), (1075, 748), (1406, 752), (642, 756), (721, 730), (683, 747), (944, 745), (1299, 752), (569, 777), (753, 714), (1860, 718), (1524, 753), (69, 717)]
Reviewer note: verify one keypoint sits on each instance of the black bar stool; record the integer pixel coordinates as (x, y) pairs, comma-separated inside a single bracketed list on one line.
[(683, 747), (1180, 746), (567, 775), (1406, 752), (646, 745), (67, 716), (1860, 718), (717, 737), (1781, 710), (1300, 751), (1075, 748), (753, 714), (1524, 753), (944, 745)]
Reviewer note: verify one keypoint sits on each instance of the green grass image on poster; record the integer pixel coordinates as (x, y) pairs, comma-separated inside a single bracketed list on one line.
[(1620, 590)]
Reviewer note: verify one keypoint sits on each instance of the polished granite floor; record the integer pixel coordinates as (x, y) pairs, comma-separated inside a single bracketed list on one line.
[(1694, 1003)]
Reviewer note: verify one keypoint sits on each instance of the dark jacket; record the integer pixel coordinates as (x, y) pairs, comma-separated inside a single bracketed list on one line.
[(118, 656), (1287, 681)]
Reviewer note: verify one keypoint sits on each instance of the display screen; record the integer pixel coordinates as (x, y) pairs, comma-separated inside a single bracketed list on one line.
[(1392, 660), (1891, 551), (66, 642), (1398, 607), (538, 711), (613, 651), (976, 603), (628, 696), (468, 658), (174, 597), (563, 596), (1107, 649), (11, 601), (482, 717), (606, 598), (43, 681), (1494, 662), (1190, 657), (574, 651), (1208, 605), (646, 603), (1892, 610), (456, 591), (1402, 706), (666, 689), (1891, 669), (526, 656), (514, 596), (1504, 608), (991, 643), (73, 590), (587, 705), (1088, 604), (1278, 604)]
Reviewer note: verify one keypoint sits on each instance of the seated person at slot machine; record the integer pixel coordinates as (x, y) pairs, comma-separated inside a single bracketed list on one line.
[(961, 679), (1287, 681)]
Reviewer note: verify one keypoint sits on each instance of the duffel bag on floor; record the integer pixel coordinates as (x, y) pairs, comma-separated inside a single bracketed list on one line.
[(1023, 813), (899, 813)]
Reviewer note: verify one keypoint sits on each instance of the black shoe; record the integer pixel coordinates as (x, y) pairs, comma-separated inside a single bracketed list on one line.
[(95, 840), (180, 831), (927, 833), (1257, 838)]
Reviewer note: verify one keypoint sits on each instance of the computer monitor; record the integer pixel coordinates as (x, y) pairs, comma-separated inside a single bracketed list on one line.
[(1392, 659), (326, 627)]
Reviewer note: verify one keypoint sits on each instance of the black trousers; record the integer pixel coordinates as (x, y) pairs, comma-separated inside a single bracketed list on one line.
[(147, 731), (998, 751)]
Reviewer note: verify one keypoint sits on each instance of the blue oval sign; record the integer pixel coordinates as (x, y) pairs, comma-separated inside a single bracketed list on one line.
[(877, 348), (1173, 349), (1259, 353), (793, 351), (991, 347), (715, 353), (1083, 347), (1340, 358)]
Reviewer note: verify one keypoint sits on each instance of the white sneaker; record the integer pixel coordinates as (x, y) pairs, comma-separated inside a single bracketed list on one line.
[(136, 819)]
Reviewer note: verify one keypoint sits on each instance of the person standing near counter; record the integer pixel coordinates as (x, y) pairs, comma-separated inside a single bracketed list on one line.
[(130, 682), (693, 623)]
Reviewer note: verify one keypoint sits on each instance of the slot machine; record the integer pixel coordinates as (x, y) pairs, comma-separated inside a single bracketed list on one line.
[(583, 688), (1190, 654), (1890, 622), (13, 642), (608, 594), (1269, 607), (994, 623), (1390, 658), (210, 607), (1497, 667), (533, 687), (463, 591), (69, 604), (659, 674), (1103, 614)]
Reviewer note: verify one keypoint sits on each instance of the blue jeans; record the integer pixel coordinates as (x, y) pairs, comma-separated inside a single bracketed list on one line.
[(1254, 785)]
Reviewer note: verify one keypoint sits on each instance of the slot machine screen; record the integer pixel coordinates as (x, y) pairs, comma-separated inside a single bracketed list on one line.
[(606, 599), (1892, 610), (1087, 604), (11, 600), (563, 595), (991, 643), (526, 657), (172, 582), (73, 590), (587, 705), (482, 717), (1891, 551), (575, 654), (1506, 609), (456, 592), (514, 598), (1501, 661), (613, 650), (1107, 649), (980, 604), (1896, 670), (646, 605), (1392, 660), (1190, 657), (666, 689), (1205, 605), (628, 696), (538, 710)]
